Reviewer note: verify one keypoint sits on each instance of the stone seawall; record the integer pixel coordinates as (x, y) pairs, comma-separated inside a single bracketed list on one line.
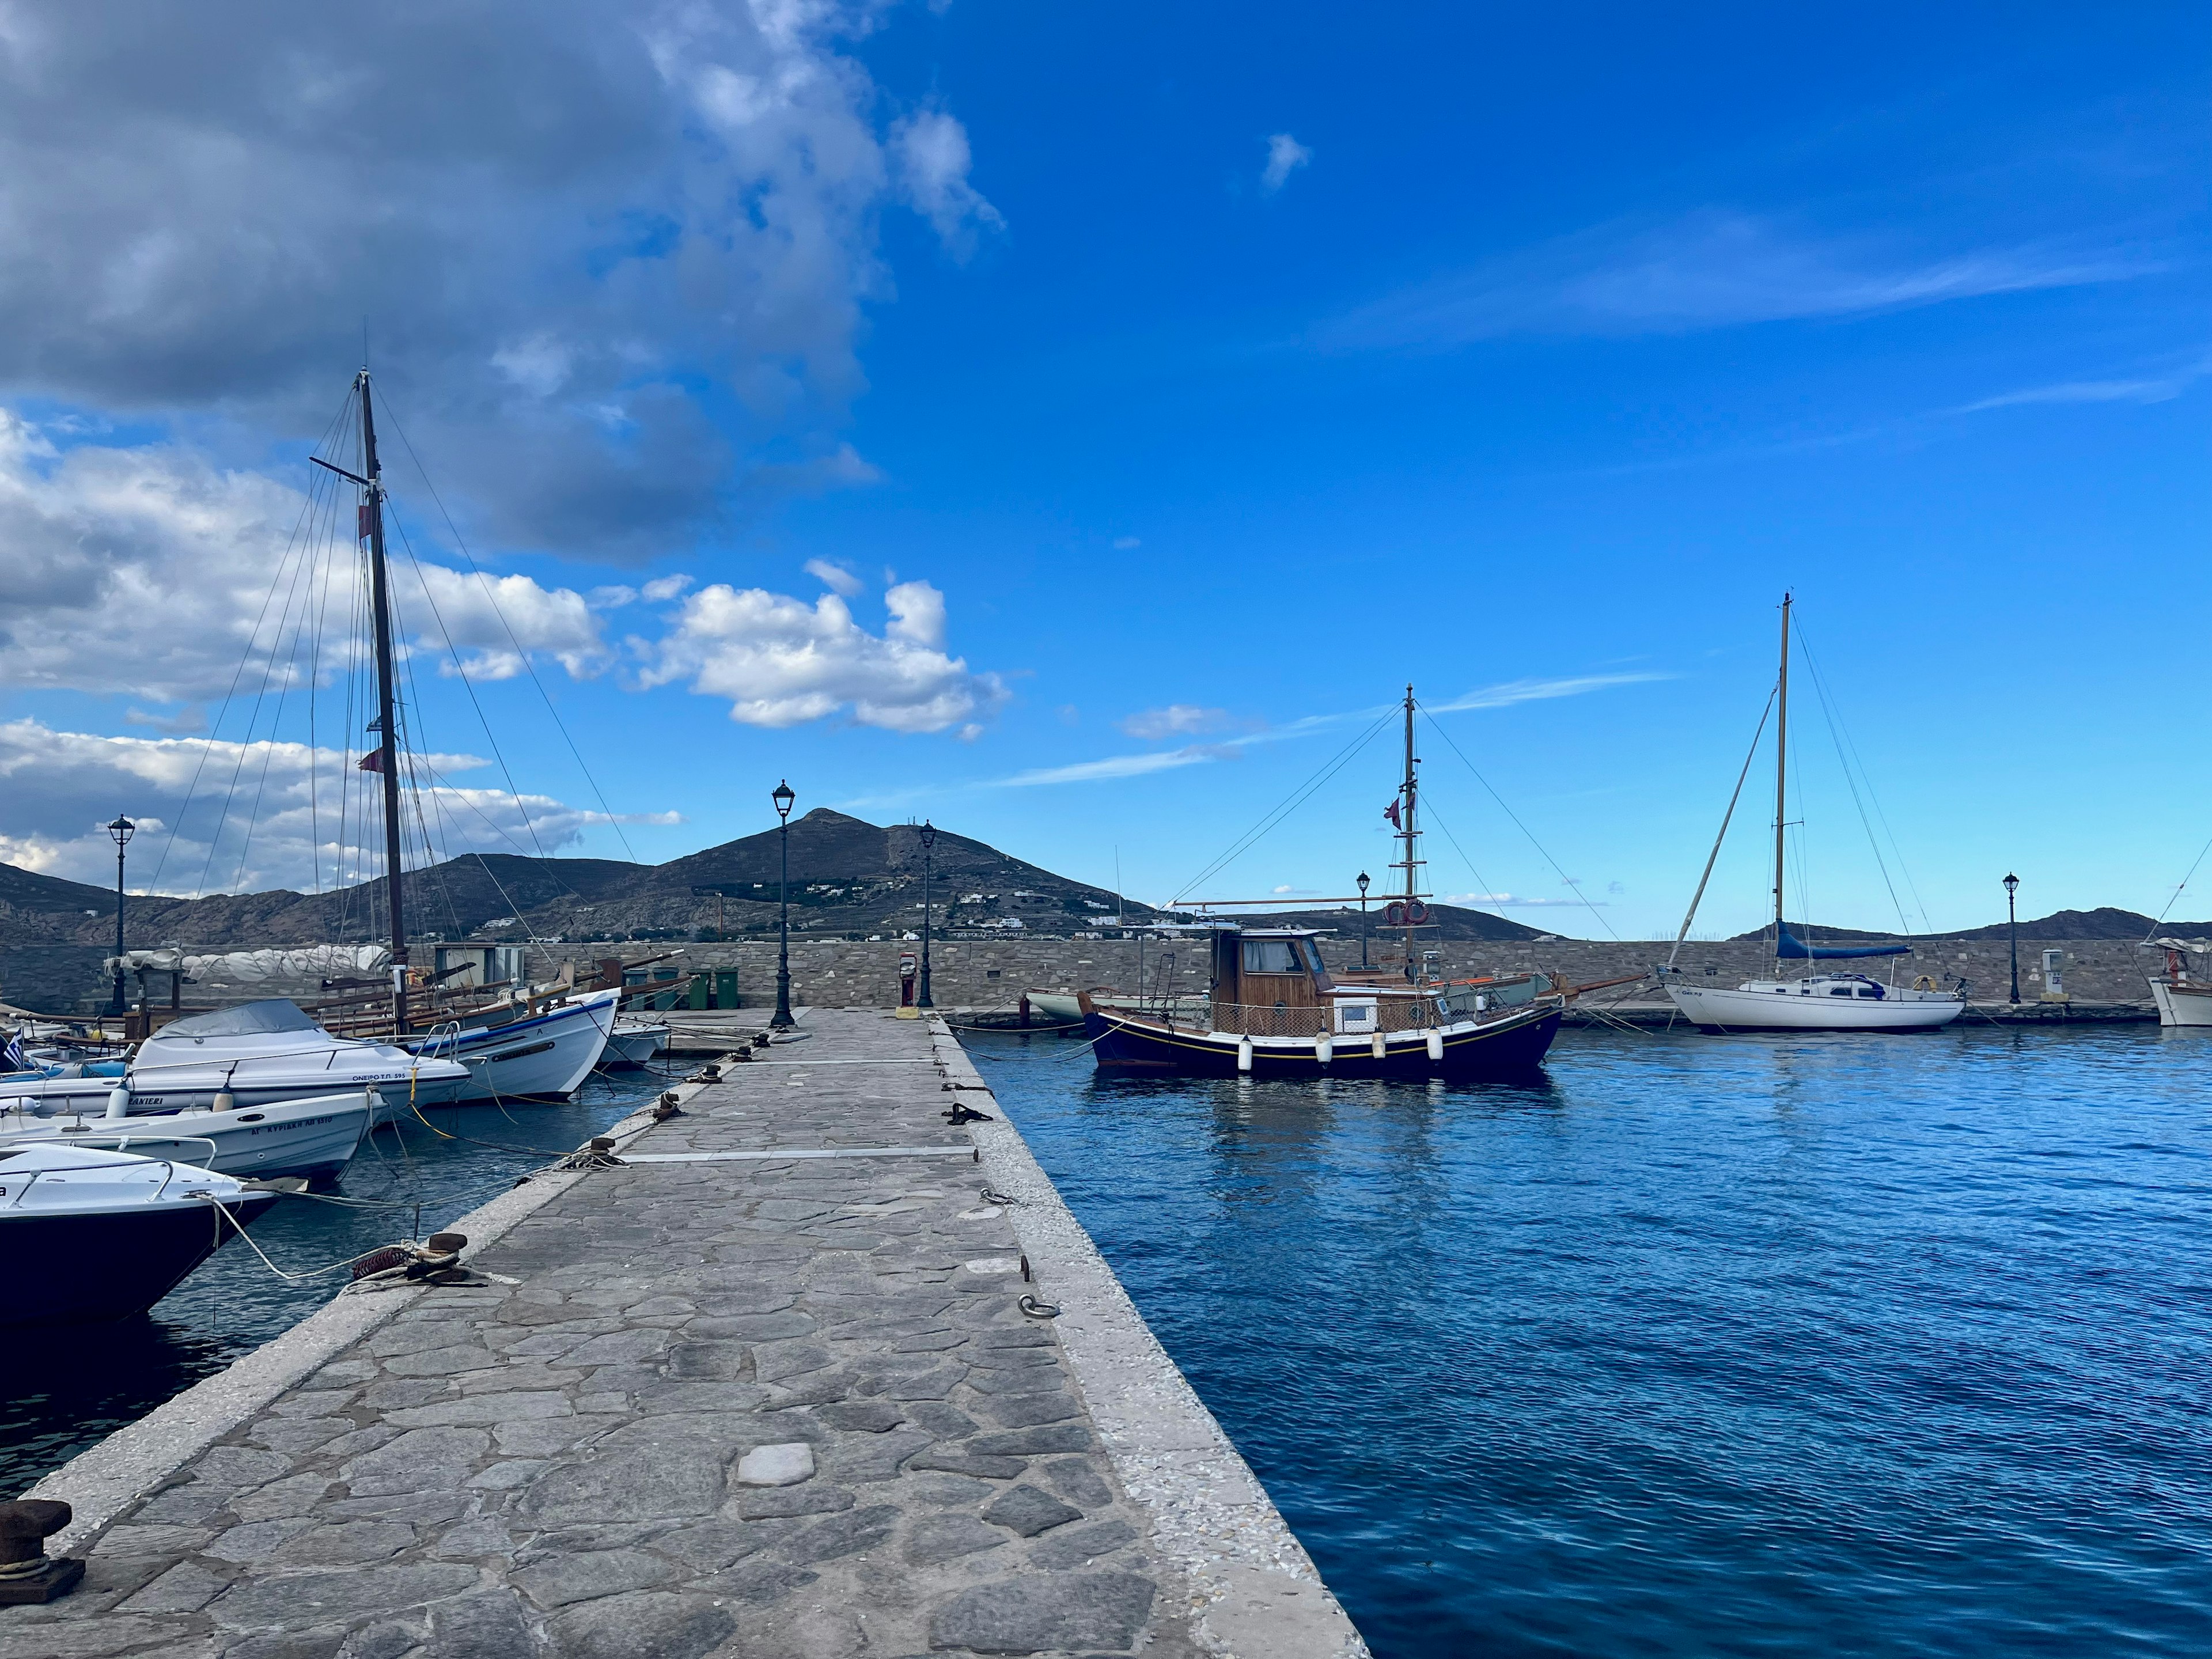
[(991, 973)]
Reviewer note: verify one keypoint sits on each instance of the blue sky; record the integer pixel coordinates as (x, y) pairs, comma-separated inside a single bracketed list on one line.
[(1222, 372)]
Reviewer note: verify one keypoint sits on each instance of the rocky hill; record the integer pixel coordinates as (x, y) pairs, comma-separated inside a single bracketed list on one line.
[(846, 877), (2102, 923)]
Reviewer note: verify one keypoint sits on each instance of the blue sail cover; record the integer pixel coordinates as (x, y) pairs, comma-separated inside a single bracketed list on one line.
[(1789, 945)]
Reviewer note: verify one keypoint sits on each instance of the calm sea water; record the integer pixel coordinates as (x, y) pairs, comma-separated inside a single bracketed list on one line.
[(1705, 1345), (61, 1390)]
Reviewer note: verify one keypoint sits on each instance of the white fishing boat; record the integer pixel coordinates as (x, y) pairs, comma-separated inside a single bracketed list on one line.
[(545, 1056), (635, 1044), (2183, 997), (314, 1137), (1839, 1001), (250, 1057), (98, 1235)]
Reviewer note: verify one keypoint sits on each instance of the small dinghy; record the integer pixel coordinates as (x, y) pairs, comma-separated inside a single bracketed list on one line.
[(99, 1236)]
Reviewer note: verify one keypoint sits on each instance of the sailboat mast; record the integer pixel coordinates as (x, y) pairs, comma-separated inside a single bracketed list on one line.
[(387, 725), (1781, 771), (1412, 864)]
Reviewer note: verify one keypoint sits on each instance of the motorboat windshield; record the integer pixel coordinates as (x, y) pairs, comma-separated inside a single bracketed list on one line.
[(248, 1019)]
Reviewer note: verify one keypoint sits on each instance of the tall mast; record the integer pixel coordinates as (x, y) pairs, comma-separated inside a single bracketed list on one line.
[(387, 725), (1781, 771), (1409, 833)]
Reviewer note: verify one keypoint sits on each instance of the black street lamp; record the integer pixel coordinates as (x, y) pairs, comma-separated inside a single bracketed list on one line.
[(1362, 919), (928, 841), (784, 797), (121, 829), (2012, 924)]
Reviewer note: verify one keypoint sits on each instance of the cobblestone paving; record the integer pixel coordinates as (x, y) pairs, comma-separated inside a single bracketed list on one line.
[(772, 1408)]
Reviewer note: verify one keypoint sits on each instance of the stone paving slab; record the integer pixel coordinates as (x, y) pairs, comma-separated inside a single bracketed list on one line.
[(762, 1408)]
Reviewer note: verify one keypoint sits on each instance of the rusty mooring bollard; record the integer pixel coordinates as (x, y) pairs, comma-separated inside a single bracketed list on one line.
[(26, 1574)]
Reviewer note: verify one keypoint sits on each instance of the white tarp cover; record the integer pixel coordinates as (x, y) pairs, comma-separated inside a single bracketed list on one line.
[(252, 967), (2195, 946)]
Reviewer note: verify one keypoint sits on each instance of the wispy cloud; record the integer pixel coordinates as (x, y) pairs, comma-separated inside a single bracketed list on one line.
[(1513, 692), (1285, 156), (835, 577), (1113, 766), (2150, 389), (1712, 269), (1177, 719)]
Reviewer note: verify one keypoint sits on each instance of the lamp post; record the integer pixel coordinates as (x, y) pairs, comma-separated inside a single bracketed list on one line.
[(121, 829), (784, 797), (2012, 926), (928, 841), (1362, 919)]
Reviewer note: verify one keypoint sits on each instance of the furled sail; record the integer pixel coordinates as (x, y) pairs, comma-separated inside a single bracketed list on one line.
[(1789, 945)]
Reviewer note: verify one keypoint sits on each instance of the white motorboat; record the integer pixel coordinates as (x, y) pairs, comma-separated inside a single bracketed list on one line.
[(253, 1057), (98, 1235), (542, 1056), (635, 1044), (1818, 1001), (2182, 998), (315, 1136)]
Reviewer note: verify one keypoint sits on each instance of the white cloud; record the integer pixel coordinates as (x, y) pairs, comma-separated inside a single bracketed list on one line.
[(661, 589), (2145, 389), (1177, 719), (148, 572), (1713, 268), (930, 152), (1285, 156), (835, 577), (1513, 692), (1113, 766), (260, 815), (782, 662), (576, 229)]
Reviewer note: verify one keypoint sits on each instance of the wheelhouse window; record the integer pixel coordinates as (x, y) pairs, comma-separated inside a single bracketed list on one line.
[(1270, 956), (1870, 990)]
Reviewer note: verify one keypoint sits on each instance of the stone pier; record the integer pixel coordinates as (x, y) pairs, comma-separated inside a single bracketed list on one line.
[(815, 1370)]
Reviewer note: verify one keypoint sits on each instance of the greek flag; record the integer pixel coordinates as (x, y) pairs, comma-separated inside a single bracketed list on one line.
[(12, 1058)]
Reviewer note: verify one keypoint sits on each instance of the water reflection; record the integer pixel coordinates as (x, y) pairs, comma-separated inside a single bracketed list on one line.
[(1717, 1345), (63, 1389)]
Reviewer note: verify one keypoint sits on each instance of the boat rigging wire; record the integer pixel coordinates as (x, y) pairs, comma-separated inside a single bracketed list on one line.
[(1297, 798), (2159, 922), (528, 667), (1847, 756), (1696, 898), (207, 746), (1572, 886)]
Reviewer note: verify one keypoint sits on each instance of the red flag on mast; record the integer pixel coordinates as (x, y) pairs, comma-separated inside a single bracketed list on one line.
[(1391, 813), (372, 762)]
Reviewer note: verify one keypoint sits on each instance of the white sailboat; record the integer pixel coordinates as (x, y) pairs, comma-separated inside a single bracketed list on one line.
[(1815, 1002), (2183, 997)]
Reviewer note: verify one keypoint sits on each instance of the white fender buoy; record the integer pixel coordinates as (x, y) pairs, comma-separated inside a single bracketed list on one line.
[(1244, 1054), (1375, 1045), (225, 1100), (1436, 1047), (119, 1100), (1324, 1049)]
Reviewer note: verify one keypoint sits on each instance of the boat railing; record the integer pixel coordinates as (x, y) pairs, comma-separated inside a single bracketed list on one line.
[(1278, 1020)]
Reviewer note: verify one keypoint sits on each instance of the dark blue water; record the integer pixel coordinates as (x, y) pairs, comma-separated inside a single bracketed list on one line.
[(1708, 1346), (62, 1389)]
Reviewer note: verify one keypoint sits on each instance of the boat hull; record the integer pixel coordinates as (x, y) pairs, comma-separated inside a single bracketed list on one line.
[(1498, 1050), (633, 1046), (95, 1268), (315, 1138), (1713, 1008), (2182, 1005), (544, 1057)]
